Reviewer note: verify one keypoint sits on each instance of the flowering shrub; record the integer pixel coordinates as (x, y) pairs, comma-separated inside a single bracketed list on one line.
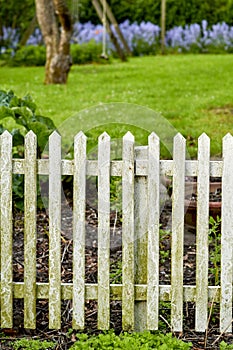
[(198, 38), (143, 38)]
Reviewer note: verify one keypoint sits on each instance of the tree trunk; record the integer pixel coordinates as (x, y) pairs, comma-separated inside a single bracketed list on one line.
[(58, 59), (28, 31)]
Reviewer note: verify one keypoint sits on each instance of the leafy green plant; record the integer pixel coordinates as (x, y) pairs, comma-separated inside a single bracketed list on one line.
[(164, 252), (22, 113), (116, 272), (130, 341), (225, 346), (28, 344), (215, 251)]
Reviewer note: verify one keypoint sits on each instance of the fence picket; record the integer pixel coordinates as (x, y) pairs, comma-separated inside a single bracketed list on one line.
[(6, 230), (141, 238), (202, 255), (153, 232), (54, 231), (128, 232), (227, 237), (79, 207), (177, 246), (103, 231), (30, 202)]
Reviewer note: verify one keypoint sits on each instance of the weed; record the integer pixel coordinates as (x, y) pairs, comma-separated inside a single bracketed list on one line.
[(130, 341), (28, 344), (215, 251)]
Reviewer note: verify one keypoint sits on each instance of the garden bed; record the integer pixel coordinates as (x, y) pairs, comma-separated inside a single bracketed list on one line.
[(61, 337)]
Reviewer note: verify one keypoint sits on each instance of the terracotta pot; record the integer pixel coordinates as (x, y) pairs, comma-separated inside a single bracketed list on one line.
[(191, 205)]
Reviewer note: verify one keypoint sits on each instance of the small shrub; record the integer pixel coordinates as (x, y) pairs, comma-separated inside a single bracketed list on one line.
[(87, 53), (36, 55), (28, 56)]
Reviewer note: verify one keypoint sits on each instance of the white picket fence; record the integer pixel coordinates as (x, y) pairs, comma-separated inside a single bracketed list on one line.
[(140, 292)]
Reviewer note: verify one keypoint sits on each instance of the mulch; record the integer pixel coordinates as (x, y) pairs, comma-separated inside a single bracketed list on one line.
[(209, 340)]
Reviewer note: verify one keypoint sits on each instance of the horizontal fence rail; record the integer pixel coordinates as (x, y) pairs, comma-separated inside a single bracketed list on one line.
[(140, 292)]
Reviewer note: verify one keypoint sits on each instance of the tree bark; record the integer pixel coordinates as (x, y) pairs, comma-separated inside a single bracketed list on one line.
[(58, 59)]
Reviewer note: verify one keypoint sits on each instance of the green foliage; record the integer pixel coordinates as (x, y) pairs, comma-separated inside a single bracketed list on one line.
[(164, 251), (178, 12), (215, 251), (28, 56), (142, 47), (28, 344), (23, 113), (16, 14), (164, 84), (225, 346), (87, 53), (116, 272), (130, 341)]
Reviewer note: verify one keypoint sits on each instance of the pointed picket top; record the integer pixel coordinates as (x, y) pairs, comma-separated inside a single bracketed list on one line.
[(204, 148), (179, 146), (30, 136), (6, 135), (179, 138), (227, 141), (227, 136), (153, 137), (153, 147), (153, 142), (103, 149), (104, 137), (227, 144), (80, 135), (203, 138), (55, 136), (128, 137)]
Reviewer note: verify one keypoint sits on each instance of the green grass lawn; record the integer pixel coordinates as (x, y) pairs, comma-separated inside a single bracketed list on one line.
[(194, 92)]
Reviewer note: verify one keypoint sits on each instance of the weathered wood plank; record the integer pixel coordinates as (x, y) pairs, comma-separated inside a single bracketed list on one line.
[(30, 203), (177, 246), (79, 207), (55, 231), (153, 232), (103, 231), (141, 166), (202, 256), (227, 237), (141, 236), (128, 233), (140, 292), (6, 230)]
